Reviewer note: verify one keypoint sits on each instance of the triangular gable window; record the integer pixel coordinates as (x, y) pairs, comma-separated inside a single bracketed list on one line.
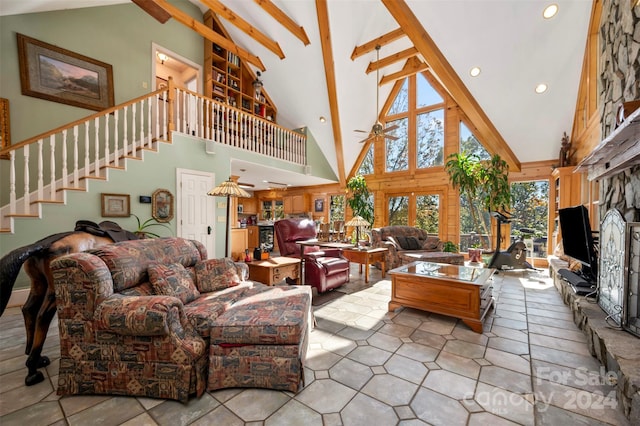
[(427, 95), (401, 102), (471, 145), (366, 167)]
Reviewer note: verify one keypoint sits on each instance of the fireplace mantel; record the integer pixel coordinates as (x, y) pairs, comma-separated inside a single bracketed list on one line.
[(620, 150)]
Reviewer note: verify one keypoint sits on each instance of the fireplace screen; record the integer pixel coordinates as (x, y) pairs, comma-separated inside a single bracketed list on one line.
[(632, 282), (611, 267)]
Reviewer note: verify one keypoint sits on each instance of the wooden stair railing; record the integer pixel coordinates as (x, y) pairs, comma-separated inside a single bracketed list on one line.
[(42, 168)]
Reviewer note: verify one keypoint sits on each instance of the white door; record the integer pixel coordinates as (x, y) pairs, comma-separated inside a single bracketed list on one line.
[(196, 215)]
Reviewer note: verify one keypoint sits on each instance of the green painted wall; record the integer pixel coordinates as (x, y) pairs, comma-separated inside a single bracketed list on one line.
[(121, 36)]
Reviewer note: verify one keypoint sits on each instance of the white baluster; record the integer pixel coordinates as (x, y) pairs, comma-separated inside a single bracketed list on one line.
[(133, 130), (87, 170), (116, 139), (149, 125), (40, 195), (141, 140), (107, 150), (52, 165), (65, 171), (26, 207), (125, 132), (76, 174), (96, 146), (12, 184)]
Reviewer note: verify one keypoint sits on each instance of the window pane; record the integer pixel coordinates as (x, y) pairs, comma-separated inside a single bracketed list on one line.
[(470, 144), (398, 150), (427, 95), (399, 210), (530, 208), (336, 208), (366, 167), (401, 102), (430, 139), (427, 213)]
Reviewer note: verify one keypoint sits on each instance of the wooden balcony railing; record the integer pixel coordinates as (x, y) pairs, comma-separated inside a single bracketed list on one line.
[(42, 168)]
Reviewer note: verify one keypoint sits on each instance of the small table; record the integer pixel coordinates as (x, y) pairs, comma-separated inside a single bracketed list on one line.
[(366, 257), (459, 291), (274, 270)]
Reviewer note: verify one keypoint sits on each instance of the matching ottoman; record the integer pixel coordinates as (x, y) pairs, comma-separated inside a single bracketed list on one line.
[(261, 341), (433, 256)]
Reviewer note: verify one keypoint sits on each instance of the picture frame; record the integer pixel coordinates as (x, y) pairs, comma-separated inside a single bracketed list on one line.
[(319, 205), (162, 205), (115, 205), (59, 75), (5, 127), (240, 208)]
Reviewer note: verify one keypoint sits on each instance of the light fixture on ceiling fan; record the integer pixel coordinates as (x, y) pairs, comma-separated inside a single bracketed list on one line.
[(377, 130)]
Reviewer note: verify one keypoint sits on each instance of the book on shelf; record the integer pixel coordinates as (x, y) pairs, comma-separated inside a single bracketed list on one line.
[(218, 89)]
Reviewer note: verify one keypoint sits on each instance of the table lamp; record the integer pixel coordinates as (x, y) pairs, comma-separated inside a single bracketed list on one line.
[(357, 222)]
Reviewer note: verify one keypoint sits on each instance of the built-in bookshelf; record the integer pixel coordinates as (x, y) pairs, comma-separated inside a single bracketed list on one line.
[(229, 80)]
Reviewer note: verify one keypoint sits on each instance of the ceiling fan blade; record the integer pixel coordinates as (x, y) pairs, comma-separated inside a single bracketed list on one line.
[(390, 128), (367, 139), (393, 138), (361, 131)]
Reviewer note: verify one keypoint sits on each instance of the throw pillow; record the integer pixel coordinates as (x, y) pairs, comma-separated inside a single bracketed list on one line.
[(216, 274), (413, 243), (431, 243), (402, 240), (172, 280)]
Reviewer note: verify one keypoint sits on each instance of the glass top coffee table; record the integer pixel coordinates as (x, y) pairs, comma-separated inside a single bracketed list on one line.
[(459, 291)]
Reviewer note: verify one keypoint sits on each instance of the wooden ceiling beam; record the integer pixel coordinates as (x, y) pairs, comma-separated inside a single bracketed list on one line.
[(284, 20), (412, 66), (487, 132), (228, 14), (209, 34), (158, 13), (396, 57), (332, 92), (370, 46)]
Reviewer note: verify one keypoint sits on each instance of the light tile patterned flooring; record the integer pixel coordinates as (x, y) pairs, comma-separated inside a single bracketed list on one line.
[(367, 366)]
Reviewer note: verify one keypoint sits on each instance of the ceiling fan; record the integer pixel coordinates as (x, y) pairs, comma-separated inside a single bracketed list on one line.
[(378, 130)]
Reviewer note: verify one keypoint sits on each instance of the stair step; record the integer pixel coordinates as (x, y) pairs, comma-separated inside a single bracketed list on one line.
[(5, 230), (93, 177), (21, 215), (71, 188), (47, 201)]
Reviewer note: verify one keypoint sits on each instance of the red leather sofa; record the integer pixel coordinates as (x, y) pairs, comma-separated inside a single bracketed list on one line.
[(324, 269)]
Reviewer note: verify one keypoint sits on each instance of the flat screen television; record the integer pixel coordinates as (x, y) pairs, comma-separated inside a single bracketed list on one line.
[(577, 239)]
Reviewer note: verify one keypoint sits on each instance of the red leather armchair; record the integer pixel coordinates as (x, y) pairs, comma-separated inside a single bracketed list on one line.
[(325, 269)]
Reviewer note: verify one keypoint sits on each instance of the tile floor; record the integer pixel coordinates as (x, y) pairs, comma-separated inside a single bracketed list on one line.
[(367, 366)]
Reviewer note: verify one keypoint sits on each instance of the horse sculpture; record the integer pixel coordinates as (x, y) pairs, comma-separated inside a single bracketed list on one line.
[(40, 307)]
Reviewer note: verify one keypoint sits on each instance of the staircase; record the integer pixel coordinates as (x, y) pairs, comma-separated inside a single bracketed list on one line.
[(44, 168)]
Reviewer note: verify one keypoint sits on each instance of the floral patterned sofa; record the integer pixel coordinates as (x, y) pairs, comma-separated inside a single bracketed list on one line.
[(401, 239), (156, 318)]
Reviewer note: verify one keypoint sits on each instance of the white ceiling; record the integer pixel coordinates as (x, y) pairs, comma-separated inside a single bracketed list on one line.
[(508, 39)]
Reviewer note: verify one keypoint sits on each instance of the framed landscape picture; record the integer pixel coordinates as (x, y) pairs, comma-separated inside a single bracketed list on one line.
[(59, 75), (115, 205)]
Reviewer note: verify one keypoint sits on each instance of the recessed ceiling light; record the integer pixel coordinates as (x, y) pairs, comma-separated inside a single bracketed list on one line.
[(550, 11), (322, 119), (541, 88), (475, 71)]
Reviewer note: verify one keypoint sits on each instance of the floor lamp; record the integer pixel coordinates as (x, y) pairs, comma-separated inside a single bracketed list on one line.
[(228, 189)]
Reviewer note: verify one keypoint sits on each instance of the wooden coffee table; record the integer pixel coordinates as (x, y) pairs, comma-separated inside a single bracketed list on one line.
[(274, 270), (459, 291), (366, 257)]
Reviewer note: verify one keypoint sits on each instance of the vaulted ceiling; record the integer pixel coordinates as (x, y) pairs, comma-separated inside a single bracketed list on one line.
[(509, 40)]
